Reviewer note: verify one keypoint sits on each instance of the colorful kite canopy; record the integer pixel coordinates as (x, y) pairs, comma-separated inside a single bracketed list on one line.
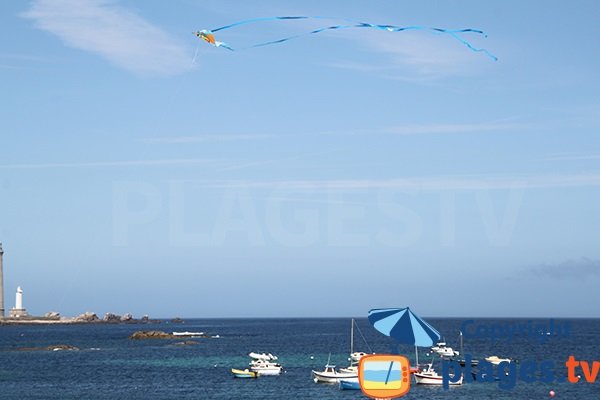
[(208, 35)]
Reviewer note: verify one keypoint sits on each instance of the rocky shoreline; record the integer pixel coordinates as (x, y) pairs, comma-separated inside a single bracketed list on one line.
[(85, 318)]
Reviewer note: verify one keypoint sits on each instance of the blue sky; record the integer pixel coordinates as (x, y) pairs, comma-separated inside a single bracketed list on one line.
[(144, 171)]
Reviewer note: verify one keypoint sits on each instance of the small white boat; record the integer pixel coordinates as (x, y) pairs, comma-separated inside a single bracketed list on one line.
[(352, 369), (331, 375), (354, 360), (444, 350), (429, 376), (188, 334), (497, 360), (262, 356), (243, 374), (263, 367), (356, 356)]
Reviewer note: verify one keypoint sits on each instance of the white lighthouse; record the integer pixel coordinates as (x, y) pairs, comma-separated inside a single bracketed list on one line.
[(19, 299), (18, 311)]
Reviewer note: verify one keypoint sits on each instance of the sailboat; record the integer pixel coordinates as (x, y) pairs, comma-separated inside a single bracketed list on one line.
[(331, 375), (355, 356)]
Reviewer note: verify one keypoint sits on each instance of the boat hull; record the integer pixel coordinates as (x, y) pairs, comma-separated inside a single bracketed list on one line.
[(243, 374), (329, 377), (429, 379), (267, 371), (349, 384), (265, 368)]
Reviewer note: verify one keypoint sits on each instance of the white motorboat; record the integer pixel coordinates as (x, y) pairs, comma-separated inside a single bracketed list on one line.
[(354, 360), (356, 356), (497, 360), (263, 367), (262, 356), (429, 376), (331, 375), (444, 350)]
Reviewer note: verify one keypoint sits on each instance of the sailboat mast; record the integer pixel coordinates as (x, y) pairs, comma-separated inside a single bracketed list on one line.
[(352, 338)]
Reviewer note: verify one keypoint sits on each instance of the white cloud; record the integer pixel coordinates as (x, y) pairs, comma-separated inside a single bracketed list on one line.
[(419, 56), (117, 34)]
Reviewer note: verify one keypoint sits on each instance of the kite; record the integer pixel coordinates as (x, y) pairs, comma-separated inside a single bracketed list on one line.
[(209, 37)]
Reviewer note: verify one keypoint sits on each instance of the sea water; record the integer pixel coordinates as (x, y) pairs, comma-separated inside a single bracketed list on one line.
[(111, 366)]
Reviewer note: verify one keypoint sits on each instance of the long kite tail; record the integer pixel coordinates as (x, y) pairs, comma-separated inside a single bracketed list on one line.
[(224, 45), (285, 39), (454, 33), (263, 19)]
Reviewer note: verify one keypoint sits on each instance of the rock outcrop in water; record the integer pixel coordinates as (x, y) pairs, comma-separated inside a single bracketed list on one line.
[(127, 317), (52, 315), (54, 347), (111, 318), (87, 317), (151, 335), (165, 335)]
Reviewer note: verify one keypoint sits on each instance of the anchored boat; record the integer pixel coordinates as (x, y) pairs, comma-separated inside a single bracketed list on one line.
[(243, 373), (331, 375), (349, 384), (262, 356), (429, 376), (263, 367)]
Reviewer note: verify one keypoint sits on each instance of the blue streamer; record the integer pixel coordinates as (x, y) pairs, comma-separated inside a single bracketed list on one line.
[(208, 35)]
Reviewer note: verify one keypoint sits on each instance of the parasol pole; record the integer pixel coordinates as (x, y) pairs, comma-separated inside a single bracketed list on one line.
[(417, 356)]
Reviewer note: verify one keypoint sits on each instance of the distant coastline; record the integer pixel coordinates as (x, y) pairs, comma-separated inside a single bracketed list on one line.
[(54, 318)]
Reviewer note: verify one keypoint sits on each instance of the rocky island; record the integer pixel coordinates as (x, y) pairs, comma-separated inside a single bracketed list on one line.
[(88, 317)]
